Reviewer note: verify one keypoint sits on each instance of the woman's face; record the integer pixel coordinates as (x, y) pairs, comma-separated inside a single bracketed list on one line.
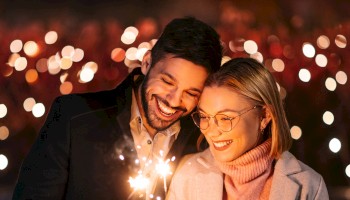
[(244, 135)]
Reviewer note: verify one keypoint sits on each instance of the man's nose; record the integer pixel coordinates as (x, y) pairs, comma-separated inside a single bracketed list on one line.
[(174, 98)]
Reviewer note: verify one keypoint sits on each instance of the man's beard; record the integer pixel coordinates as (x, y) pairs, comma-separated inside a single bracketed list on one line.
[(152, 120)]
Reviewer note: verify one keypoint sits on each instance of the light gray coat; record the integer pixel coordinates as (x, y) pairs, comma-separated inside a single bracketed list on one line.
[(197, 178)]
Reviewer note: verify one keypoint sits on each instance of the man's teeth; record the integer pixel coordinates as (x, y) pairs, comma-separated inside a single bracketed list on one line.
[(222, 144), (165, 109)]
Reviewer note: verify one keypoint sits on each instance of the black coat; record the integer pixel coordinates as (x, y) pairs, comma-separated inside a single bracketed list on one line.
[(77, 153)]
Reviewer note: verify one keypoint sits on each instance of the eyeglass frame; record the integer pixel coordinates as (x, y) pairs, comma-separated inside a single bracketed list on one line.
[(216, 121)]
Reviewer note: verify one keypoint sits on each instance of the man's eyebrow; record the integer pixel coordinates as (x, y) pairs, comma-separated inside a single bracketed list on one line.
[(174, 79)]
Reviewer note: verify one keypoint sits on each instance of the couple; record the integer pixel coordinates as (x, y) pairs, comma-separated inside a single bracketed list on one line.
[(91, 144)]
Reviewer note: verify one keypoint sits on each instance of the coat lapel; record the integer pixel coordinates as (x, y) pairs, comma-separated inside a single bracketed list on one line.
[(283, 187)]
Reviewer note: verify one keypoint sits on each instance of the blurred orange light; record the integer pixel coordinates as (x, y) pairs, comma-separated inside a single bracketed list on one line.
[(66, 87), (31, 76), (118, 54)]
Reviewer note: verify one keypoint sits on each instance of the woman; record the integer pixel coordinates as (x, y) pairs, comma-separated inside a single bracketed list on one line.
[(241, 116)]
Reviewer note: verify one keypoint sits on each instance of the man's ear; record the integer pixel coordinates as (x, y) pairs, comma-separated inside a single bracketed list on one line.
[(146, 63)]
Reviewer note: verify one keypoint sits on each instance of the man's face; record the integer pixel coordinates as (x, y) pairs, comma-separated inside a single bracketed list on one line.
[(171, 90)]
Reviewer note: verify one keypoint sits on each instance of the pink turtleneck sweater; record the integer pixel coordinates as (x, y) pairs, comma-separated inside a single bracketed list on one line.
[(250, 175)]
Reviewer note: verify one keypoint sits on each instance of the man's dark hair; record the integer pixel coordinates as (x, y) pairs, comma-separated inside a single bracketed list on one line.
[(192, 40)]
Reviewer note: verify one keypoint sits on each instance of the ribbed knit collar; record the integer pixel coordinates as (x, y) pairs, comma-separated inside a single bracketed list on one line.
[(250, 165)]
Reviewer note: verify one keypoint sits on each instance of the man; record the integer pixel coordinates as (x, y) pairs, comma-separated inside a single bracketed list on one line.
[(92, 144)]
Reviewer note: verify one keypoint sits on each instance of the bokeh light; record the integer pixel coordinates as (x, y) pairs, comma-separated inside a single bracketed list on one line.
[(258, 56), (51, 37), (16, 46), (3, 162), (78, 55), (38, 110), (341, 77), (335, 145), (323, 42), (129, 35), (118, 54), (86, 75), (21, 63), (328, 118), (347, 170), (66, 87), (41, 65), (309, 50), (67, 51), (131, 53), (304, 75), (321, 60), (278, 65), (28, 104), (331, 84), (340, 41), (66, 63), (12, 59), (31, 48), (4, 132), (3, 110), (31, 76), (296, 132), (250, 46)]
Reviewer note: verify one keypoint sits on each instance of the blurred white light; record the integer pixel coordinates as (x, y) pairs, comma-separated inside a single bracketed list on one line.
[(28, 104), (67, 51), (321, 60), (331, 84), (340, 41), (12, 59), (224, 59), (129, 35), (21, 63), (53, 66), (66, 63), (3, 110), (304, 75), (91, 65), (341, 77), (323, 42), (309, 50), (347, 171), (296, 132), (3, 162), (250, 46), (335, 145), (31, 48), (140, 53), (4, 132), (51, 37), (16, 46), (257, 56), (328, 118), (278, 65), (38, 110), (78, 55), (86, 75), (131, 53)]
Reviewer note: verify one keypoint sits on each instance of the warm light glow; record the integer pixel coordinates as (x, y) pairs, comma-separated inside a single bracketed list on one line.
[(66, 63), (66, 87), (16, 46), (91, 65), (4, 133), (341, 77), (328, 118), (321, 60), (38, 110), (41, 65), (129, 35), (51, 37), (31, 76), (86, 75), (12, 59), (335, 145), (53, 65), (309, 50), (347, 171), (323, 42), (3, 110), (21, 63), (250, 46), (296, 132), (224, 59), (78, 55), (28, 104), (67, 51), (3, 162), (118, 54), (304, 75), (278, 65), (258, 56), (331, 84), (63, 77), (340, 41), (163, 168), (31, 48), (131, 53), (139, 182), (140, 53)]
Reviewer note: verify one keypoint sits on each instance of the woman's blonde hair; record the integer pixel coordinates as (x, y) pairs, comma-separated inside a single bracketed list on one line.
[(251, 79)]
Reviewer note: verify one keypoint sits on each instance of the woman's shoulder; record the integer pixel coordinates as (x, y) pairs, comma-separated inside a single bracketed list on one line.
[(198, 162)]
